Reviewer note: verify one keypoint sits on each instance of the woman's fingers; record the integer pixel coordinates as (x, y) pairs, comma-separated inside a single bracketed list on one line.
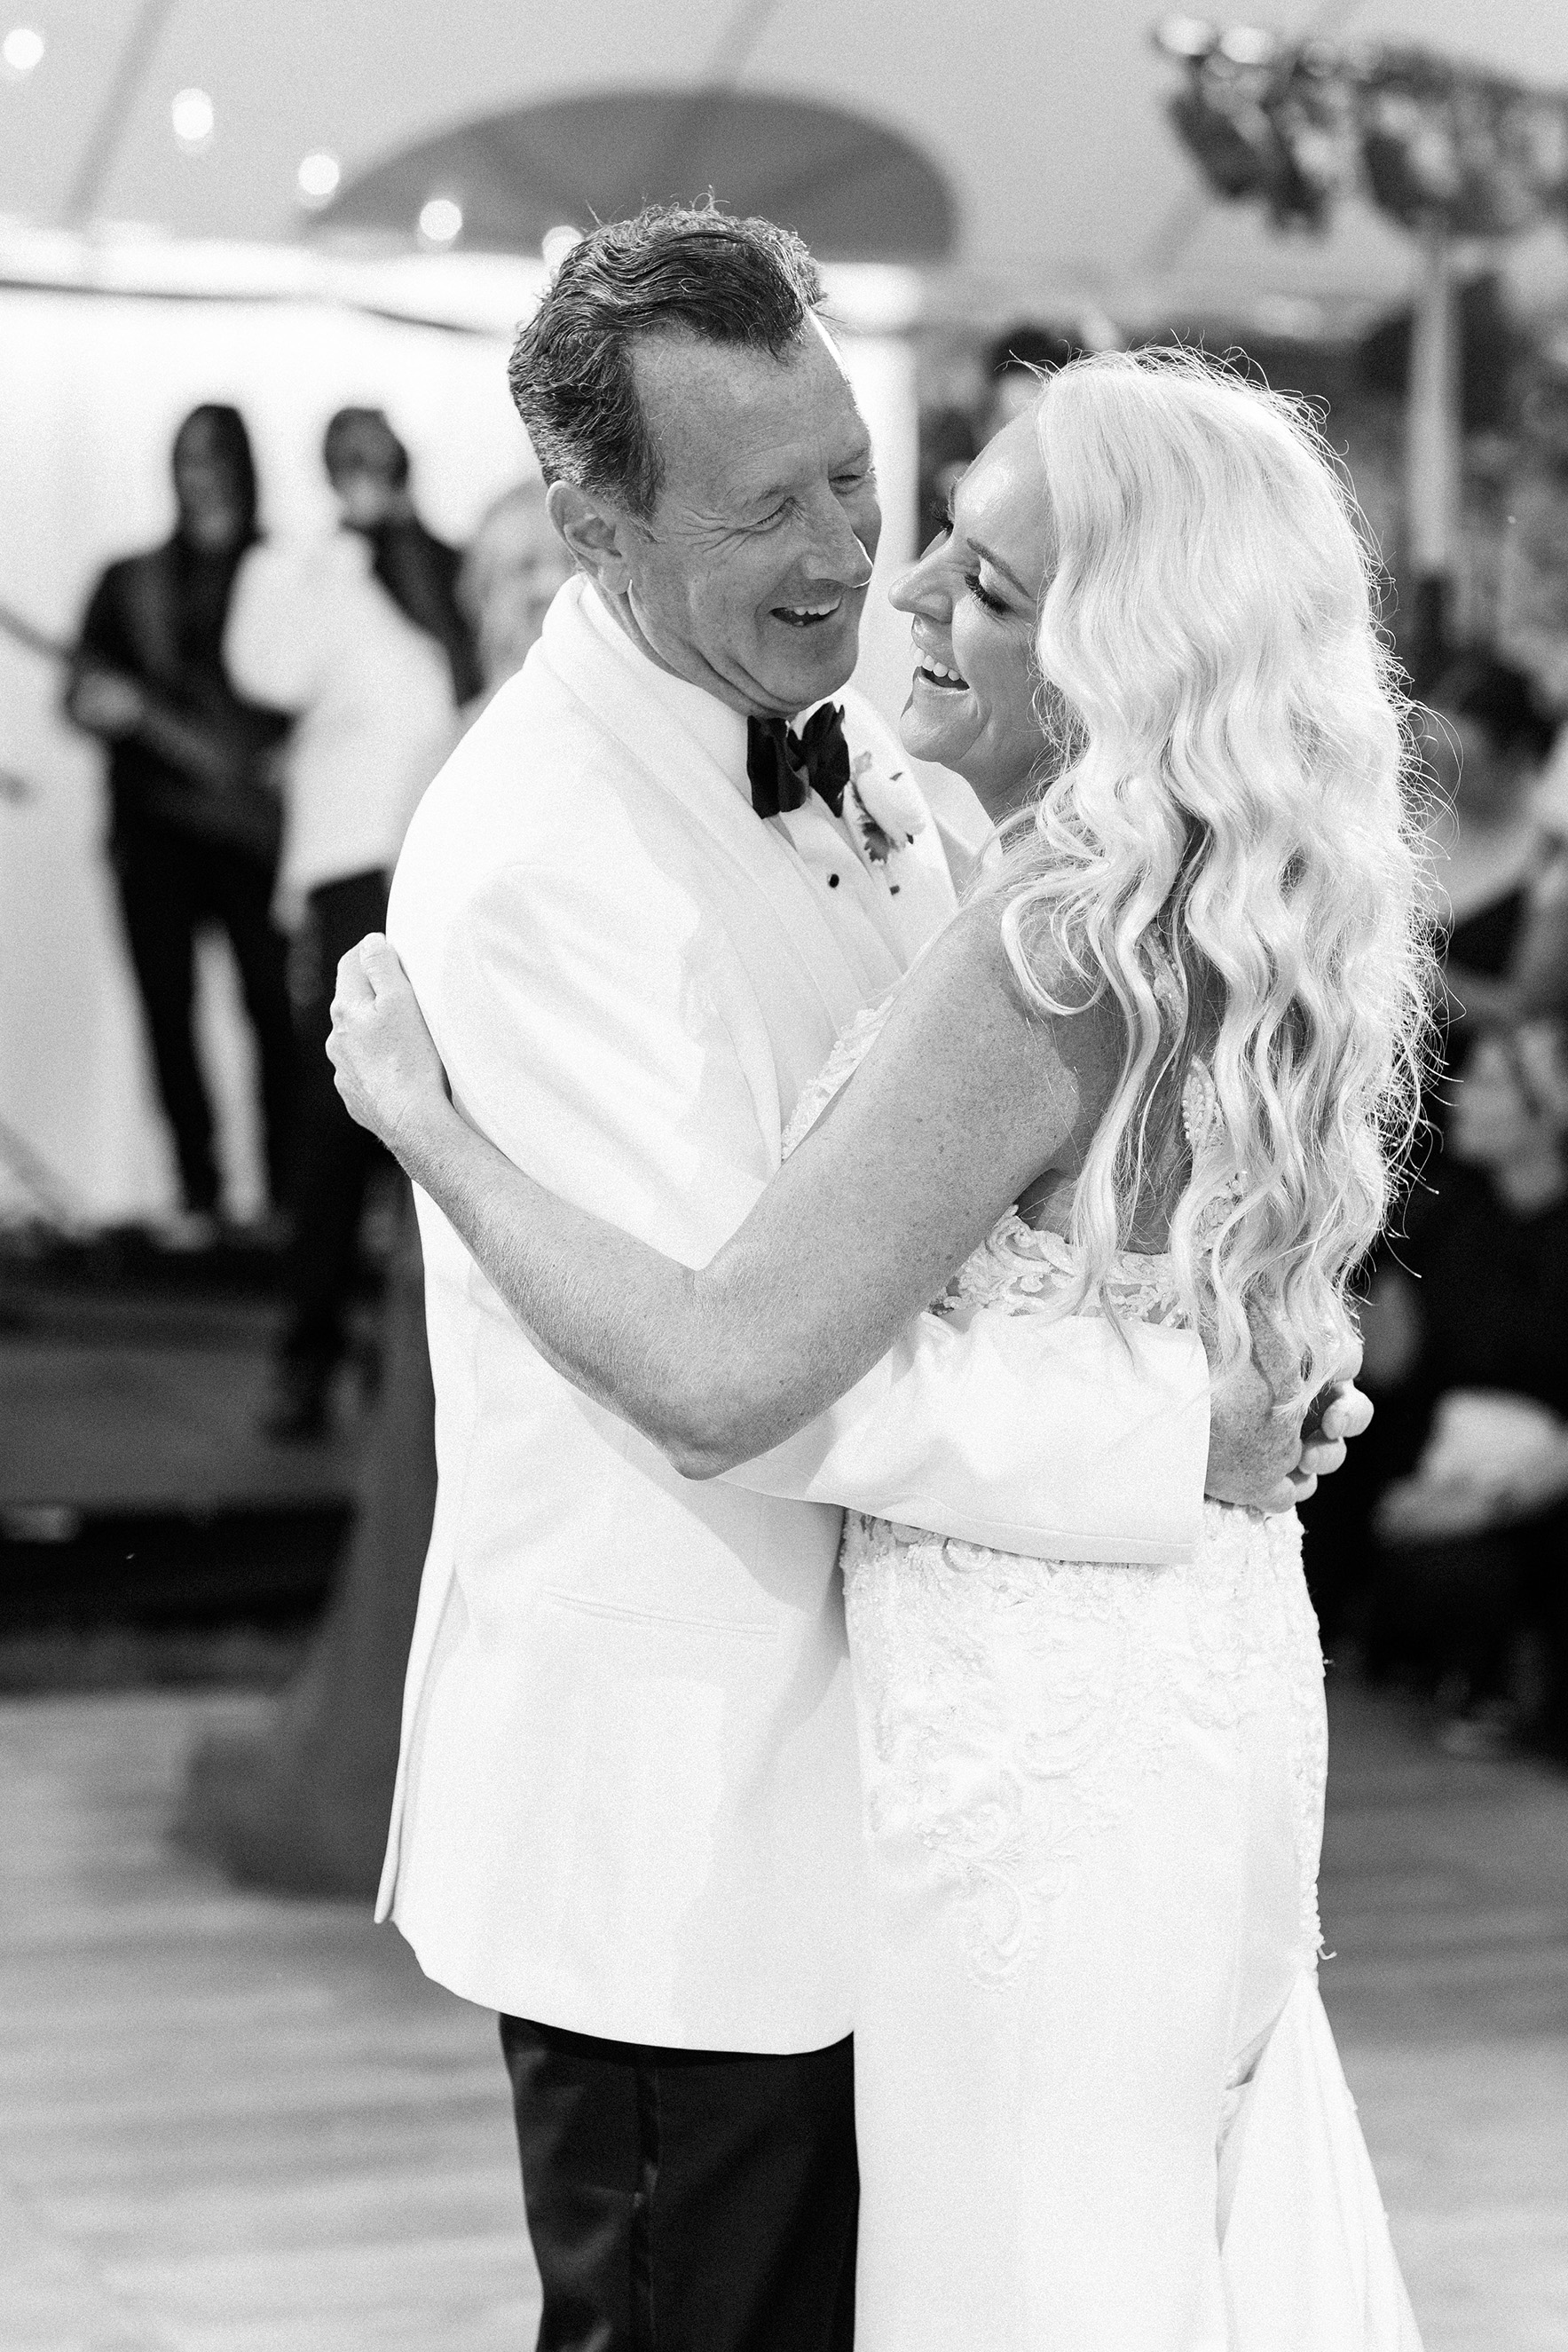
[(1321, 1457), (353, 991), (381, 964), (1347, 1414)]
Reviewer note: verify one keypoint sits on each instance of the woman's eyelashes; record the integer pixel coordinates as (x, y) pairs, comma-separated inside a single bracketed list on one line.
[(982, 595), (943, 536)]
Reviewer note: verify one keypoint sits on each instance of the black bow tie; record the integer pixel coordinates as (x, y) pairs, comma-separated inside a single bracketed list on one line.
[(783, 767)]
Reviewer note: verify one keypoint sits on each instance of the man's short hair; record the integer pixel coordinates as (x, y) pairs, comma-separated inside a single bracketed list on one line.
[(676, 270)]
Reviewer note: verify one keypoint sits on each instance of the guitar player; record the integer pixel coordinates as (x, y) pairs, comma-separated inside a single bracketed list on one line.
[(194, 821)]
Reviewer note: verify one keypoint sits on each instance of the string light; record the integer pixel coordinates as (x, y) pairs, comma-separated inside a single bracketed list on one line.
[(441, 221), (319, 177), (22, 51), (192, 117)]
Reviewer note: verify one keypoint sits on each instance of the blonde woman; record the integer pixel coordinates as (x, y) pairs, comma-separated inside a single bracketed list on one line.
[(1159, 1069)]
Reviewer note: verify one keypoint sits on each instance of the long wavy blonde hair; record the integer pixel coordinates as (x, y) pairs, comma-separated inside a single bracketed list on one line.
[(1230, 844)]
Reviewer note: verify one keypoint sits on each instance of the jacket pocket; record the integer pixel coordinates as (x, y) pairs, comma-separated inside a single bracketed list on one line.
[(588, 1604)]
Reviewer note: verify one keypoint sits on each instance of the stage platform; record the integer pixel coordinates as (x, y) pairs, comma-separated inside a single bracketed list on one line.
[(136, 1483), (133, 1378), (232, 2124)]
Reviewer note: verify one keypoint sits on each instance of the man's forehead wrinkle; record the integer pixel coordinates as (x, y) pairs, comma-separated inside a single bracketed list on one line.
[(683, 381)]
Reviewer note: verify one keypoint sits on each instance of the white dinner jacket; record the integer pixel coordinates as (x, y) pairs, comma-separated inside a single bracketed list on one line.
[(627, 1800)]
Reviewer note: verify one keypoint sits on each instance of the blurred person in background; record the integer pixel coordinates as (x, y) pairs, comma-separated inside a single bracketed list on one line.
[(1014, 366), (1473, 1575), (514, 564), (949, 444), (195, 819), (1532, 586), (362, 638), (1499, 860), (1497, 875)]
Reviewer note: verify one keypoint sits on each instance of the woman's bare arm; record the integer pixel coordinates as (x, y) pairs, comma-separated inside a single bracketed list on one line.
[(966, 1098)]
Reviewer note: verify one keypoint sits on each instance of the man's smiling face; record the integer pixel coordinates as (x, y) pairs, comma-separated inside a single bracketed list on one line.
[(750, 577)]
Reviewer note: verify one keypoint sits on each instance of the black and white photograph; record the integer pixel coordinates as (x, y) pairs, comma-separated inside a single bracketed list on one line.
[(783, 1177)]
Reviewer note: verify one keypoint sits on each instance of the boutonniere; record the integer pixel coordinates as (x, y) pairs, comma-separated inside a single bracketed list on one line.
[(883, 813)]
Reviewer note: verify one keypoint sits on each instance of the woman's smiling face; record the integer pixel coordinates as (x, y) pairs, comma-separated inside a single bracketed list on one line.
[(975, 596)]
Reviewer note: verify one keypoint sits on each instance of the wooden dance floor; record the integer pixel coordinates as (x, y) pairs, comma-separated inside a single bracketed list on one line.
[(231, 2124), (228, 2122)]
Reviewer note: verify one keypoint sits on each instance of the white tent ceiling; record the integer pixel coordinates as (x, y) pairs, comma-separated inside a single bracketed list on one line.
[(1046, 116)]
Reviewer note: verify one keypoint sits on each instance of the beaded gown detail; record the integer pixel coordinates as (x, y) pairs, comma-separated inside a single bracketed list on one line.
[(1098, 2102)]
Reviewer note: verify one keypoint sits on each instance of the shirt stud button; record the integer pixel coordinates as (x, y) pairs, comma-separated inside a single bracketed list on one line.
[(832, 881)]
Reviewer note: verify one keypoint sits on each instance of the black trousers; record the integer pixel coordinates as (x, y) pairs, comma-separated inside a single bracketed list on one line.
[(687, 2200), (334, 1157), (169, 886)]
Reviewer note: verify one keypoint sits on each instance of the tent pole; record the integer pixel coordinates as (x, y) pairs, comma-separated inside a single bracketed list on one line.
[(665, 169), (103, 140), (1432, 447)]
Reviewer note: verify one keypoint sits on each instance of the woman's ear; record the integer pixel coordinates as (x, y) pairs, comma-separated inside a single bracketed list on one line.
[(593, 534)]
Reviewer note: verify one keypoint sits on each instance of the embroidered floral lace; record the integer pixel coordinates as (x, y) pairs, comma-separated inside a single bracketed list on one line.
[(1012, 1708)]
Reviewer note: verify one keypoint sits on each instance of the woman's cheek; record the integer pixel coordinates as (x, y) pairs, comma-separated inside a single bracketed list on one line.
[(970, 651)]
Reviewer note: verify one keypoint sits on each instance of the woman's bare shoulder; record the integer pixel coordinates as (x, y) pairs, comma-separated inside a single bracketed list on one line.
[(972, 972)]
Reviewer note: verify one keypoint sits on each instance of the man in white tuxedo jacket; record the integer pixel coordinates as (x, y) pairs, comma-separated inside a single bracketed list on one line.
[(637, 909)]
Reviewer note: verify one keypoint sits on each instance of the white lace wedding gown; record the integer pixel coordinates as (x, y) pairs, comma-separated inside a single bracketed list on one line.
[(1098, 2103)]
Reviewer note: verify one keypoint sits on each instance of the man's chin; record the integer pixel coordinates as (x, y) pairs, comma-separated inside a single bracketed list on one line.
[(805, 665)]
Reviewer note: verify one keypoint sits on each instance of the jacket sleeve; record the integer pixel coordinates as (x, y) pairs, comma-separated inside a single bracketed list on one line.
[(601, 1035), (1055, 1439)]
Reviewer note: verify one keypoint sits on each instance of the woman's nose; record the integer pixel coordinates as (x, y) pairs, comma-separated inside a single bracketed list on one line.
[(922, 586)]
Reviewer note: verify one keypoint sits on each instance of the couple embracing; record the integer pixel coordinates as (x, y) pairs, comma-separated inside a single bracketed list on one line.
[(864, 1695)]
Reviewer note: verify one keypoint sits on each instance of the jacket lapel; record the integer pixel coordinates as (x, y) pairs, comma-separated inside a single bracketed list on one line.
[(625, 704)]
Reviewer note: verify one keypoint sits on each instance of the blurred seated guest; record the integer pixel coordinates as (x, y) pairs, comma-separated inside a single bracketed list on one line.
[(1500, 893), (515, 564), (1532, 586), (193, 831), (1500, 862), (1014, 365), (1475, 1560), (359, 635)]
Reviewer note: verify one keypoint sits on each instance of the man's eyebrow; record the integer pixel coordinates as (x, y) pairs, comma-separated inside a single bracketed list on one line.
[(1006, 570)]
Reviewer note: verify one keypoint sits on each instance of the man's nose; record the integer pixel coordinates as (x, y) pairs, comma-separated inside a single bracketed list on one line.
[(836, 551)]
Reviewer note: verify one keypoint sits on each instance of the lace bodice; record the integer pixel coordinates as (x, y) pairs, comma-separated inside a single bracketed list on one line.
[(1017, 1268), (1012, 1708)]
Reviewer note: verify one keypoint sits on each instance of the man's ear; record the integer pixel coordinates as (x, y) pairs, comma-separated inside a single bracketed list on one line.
[(595, 535)]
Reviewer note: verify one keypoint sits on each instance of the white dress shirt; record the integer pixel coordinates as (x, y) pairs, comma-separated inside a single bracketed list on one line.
[(312, 631)]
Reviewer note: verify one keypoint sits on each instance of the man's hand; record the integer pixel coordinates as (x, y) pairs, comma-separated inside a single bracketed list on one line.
[(1270, 1465), (106, 703)]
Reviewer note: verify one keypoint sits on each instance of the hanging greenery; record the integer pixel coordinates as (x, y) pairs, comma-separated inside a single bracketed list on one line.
[(1298, 124)]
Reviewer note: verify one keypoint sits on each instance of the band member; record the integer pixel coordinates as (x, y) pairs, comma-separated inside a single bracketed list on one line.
[(195, 824)]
